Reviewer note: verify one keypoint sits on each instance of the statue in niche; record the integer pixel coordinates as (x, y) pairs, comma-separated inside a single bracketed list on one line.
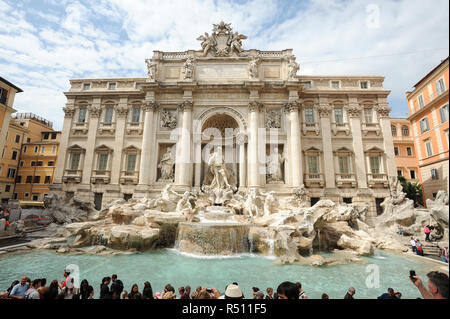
[(166, 166), (293, 67), (273, 119), (168, 120), (219, 182), (253, 68), (188, 68), (274, 172), (151, 69)]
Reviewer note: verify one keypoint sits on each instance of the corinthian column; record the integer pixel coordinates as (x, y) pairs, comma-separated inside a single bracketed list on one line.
[(253, 180), (94, 114), (383, 111), (121, 117), (325, 126), (354, 113), (69, 111), (183, 160), (293, 108), (144, 169)]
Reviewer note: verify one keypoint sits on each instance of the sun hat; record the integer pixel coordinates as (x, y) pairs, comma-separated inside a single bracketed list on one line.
[(233, 291)]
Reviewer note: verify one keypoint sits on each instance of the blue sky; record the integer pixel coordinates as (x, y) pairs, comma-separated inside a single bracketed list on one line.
[(47, 42)]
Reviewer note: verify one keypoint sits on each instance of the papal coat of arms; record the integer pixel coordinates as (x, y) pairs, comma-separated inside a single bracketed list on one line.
[(222, 41)]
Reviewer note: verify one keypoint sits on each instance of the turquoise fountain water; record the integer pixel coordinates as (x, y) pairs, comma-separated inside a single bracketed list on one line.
[(169, 266)]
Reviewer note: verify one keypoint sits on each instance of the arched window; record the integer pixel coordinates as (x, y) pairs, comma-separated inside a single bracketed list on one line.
[(394, 130), (405, 130)]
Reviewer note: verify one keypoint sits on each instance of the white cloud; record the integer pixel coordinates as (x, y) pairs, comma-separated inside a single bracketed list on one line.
[(100, 38)]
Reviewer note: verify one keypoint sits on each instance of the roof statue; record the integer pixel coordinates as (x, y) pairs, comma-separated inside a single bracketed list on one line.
[(223, 41)]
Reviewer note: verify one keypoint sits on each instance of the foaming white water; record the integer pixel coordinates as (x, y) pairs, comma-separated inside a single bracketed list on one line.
[(198, 256)]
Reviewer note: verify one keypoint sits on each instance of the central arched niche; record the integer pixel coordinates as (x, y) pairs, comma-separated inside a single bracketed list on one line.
[(220, 122)]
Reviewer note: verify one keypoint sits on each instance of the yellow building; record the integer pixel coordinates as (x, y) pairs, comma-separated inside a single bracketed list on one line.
[(7, 94), (37, 167), (24, 128), (9, 162)]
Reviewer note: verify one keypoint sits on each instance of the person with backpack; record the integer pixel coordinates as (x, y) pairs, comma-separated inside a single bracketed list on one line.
[(116, 287)]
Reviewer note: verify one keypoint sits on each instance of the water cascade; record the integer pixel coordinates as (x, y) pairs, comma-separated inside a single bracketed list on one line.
[(213, 238)]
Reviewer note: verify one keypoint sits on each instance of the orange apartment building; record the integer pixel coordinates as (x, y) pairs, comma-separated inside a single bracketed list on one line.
[(37, 167), (24, 128), (405, 150), (428, 109)]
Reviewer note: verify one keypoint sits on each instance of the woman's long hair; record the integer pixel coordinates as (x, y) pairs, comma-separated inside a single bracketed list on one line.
[(147, 292)]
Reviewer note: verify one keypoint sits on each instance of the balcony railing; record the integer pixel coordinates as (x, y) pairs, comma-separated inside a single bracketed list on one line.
[(72, 176), (310, 127), (314, 179), (340, 127), (80, 128), (346, 179), (105, 128), (129, 177), (377, 179), (371, 127), (100, 176), (135, 128)]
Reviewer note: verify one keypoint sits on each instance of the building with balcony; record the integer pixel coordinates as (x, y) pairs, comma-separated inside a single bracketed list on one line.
[(332, 133), (23, 129), (7, 94), (37, 167), (405, 150), (428, 109)]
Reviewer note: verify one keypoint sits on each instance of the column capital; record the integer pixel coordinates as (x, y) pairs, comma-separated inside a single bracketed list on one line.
[(383, 109), (324, 110), (292, 106), (255, 106), (69, 111), (241, 138), (185, 105), (94, 111), (150, 106), (122, 111), (354, 110)]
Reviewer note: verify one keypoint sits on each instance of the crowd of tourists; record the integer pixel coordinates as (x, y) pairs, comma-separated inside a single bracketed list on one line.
[(112, 287), (417, 247)]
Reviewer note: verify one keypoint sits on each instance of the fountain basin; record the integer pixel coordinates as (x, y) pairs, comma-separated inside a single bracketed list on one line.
[(213, 238)]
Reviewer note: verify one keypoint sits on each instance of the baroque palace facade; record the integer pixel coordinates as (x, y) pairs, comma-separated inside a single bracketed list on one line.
[(330, 135)]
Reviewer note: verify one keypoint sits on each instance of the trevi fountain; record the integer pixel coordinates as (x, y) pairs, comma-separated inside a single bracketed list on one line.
[(219, 231), (216, 222)]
